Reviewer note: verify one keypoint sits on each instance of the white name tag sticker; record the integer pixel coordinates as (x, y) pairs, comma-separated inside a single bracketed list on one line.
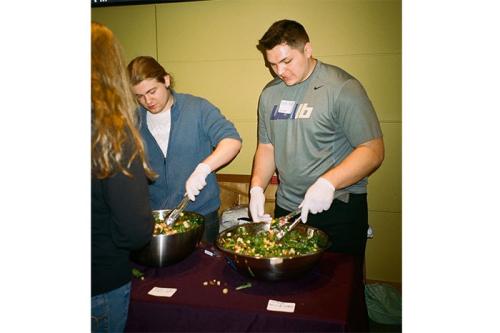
[(162, 292), (273, 305), (286, 107)]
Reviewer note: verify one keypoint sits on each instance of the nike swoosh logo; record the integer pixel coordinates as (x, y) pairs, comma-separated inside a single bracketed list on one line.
[(318, 87)]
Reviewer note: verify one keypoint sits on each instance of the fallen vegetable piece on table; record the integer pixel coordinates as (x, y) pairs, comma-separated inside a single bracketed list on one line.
[(137, 273), (243, 286)]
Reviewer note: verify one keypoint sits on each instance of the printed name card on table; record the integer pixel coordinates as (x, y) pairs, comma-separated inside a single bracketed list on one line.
[(162, 292), (273, 305)]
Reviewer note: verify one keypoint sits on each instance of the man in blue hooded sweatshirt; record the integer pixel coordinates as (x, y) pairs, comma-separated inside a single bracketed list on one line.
[(187, 138)]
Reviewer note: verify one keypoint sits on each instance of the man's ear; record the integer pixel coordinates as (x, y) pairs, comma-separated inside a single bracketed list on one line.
[(308, 50), (167, 80)]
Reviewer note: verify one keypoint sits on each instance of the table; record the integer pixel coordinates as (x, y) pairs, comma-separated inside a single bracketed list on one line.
[(327, 298)]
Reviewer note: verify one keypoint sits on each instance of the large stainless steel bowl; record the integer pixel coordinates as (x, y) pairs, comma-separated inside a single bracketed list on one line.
[(278, 268), (165, 250)]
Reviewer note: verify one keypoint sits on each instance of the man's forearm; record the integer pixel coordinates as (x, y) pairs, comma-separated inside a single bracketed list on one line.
[(224, 152), (360, 163), (263, 166)]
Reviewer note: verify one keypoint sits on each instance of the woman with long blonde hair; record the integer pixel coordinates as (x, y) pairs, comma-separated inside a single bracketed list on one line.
[(121, 215)]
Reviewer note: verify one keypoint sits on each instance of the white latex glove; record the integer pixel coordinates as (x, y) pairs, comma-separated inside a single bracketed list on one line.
[(256, 205), (319, 197), (197, 181)]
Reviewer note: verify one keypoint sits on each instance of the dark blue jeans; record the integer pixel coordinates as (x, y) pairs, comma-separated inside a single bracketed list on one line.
[(110, 310)]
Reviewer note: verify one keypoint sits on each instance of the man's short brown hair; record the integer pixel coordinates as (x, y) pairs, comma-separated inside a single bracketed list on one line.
[(284, 31)]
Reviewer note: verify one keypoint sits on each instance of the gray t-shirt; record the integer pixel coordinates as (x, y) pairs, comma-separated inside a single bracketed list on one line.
[(313, 126)]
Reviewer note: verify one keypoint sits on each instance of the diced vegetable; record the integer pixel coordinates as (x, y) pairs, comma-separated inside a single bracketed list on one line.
[(137, 273), (185, 222), (265, 244), (243, 286)]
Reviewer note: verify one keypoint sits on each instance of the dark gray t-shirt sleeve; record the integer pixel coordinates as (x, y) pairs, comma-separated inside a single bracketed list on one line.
[(356, 114)]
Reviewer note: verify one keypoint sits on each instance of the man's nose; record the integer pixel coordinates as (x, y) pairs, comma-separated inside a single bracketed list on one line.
[(280, 69)]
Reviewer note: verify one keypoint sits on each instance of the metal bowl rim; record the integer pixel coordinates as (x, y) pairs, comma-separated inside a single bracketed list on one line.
[(179, 233), (321, 250), (169, 209)]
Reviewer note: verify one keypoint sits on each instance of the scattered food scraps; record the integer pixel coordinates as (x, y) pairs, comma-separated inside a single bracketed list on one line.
[(243, 286), (137, 273), (216, 283)]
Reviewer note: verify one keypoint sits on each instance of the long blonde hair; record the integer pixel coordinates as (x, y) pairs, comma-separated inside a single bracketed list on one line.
[(114, 117)]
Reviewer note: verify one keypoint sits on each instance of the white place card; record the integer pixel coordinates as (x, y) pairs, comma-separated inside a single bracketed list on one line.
[(162, 292), (273, 305)]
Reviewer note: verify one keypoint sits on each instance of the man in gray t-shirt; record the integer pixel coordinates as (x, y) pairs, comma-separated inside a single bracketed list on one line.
[(319, 131)]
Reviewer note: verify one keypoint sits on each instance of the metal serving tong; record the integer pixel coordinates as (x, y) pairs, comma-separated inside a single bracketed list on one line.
[(289, 216), (174, 214), (286, 229)]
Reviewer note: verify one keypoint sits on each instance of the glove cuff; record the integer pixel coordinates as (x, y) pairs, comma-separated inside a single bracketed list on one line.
[(323, 181), (256, 189), (203, 167)]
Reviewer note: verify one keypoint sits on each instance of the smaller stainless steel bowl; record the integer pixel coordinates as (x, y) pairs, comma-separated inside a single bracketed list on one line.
[(164, 250), (278, 268)]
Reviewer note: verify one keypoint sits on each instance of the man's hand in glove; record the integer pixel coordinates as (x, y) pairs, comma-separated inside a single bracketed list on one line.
[(256, 205), (319, 197), (197, 181)]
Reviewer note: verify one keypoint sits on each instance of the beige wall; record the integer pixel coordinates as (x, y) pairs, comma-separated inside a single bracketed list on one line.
[(209, 47)]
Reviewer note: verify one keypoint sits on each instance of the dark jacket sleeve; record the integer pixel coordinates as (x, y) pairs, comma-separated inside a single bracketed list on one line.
[(128, 200)]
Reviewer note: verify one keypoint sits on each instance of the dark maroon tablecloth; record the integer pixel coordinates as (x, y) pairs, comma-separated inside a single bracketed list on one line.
[(329, 298)]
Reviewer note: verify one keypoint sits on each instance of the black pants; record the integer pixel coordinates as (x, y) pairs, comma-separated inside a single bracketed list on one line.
[(211, 227), (345, 223)]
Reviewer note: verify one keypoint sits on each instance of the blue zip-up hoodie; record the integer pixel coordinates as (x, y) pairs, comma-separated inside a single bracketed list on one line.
[(196, 128)]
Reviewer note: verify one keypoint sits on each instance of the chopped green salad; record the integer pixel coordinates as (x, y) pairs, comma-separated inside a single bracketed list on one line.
[(185, 222), (264, 244)]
